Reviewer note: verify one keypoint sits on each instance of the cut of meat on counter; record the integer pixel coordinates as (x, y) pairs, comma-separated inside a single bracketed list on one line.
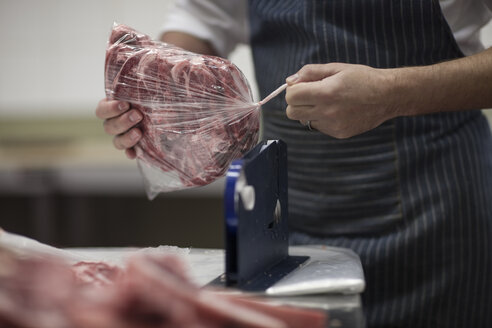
[(95, 273), (151, 291), (198, 110)]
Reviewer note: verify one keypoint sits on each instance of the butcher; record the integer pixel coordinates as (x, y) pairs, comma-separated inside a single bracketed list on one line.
[(389, 152)]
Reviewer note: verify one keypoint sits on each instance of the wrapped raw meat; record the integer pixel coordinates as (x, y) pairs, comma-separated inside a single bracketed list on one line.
[(198, 110)]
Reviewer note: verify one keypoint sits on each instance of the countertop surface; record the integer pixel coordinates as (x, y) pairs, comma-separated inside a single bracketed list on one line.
[(344, 305)]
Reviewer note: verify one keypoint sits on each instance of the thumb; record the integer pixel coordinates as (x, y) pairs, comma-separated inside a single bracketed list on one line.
[(314, 72)]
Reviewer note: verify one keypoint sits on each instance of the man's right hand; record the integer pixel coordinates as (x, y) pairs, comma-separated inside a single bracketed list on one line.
[(119, 121)]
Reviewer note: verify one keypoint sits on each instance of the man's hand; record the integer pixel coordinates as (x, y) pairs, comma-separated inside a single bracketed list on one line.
[(119, 121), (341, 100)]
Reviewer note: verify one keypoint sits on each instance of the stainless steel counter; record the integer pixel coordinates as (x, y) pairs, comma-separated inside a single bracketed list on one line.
[(342, 302)]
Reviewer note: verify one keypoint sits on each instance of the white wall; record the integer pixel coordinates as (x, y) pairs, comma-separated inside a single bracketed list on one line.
[(52, 51)]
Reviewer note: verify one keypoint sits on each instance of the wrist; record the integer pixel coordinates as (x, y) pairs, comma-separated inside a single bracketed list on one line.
[(397, 87), (414, 90), (455, 85)]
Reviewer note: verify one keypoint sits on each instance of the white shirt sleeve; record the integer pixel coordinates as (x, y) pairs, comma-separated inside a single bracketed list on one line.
[(224, 23), (466, 18)]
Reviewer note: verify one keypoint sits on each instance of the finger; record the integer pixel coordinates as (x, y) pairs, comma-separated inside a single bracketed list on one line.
[(307, 94), (131, 153), (111, 108), (314, 72), (122, 123), (127, 139), (302, 113)]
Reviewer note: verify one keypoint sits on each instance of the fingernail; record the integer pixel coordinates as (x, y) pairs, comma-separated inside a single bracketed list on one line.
[(134, 135), (123, 106), (293, 78), (135, 117)]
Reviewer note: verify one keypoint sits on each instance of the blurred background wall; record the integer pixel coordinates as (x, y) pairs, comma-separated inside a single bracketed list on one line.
[(61, 180)]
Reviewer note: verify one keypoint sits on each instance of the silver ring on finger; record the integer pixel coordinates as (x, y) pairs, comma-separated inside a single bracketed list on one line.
[(308, 124), (304, 123)]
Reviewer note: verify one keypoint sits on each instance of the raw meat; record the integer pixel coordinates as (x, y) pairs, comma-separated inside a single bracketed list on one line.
[(95, 273), (152, 291), (198, 110)]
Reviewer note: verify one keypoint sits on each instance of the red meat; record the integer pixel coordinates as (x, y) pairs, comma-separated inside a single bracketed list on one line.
[(151, 292), (198, 110)]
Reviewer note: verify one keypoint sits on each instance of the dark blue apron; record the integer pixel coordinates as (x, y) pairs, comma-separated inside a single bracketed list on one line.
[(411, 196)]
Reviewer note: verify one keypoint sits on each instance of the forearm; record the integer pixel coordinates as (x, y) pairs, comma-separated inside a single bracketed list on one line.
[(461, 84), (189, 42)]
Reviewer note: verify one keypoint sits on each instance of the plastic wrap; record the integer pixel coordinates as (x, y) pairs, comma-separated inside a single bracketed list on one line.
[(199, 114)]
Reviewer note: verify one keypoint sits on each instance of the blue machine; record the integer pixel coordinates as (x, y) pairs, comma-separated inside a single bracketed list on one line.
[(256, 214)]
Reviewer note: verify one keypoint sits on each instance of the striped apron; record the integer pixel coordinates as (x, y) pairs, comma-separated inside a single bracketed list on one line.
[(411, 196)]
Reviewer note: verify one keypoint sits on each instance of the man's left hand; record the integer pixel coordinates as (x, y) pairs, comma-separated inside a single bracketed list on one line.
[(341, 100)]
